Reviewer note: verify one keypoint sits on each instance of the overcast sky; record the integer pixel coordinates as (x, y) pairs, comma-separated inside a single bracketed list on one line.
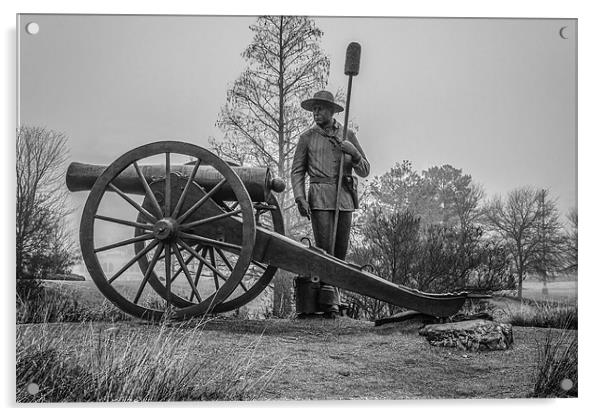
[(494, 97)]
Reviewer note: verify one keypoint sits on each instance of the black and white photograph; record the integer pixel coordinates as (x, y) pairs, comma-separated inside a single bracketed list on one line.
[(297, 208)]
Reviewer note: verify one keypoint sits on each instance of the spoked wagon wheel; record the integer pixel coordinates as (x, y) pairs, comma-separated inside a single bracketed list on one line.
[(259, 275), (186, 217), (209, 272)]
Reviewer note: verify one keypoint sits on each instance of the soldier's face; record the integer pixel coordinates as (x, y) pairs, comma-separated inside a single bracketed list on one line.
[(323, 114)]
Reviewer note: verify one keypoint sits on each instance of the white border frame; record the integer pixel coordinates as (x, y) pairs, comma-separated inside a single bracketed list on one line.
[(589, 91)]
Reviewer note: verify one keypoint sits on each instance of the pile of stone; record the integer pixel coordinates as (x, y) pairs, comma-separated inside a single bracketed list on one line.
[(473, 335)]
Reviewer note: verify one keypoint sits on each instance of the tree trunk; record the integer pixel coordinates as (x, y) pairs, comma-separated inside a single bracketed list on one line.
[(283, 284), (520, 284), (283, 294), (544, 289)]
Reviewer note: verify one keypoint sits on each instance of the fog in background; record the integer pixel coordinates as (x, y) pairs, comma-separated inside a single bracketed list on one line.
[(494, 97)]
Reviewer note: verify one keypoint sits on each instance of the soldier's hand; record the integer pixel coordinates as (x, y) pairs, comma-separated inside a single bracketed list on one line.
[(303, 208), (350, 149)]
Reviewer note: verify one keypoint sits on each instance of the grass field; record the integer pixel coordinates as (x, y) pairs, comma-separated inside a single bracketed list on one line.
[(322, 360), (88, 294), (281, 359), (558, 290), (562, 291)]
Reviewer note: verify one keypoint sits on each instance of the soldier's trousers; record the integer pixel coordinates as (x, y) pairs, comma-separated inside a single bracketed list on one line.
[(322, 222)]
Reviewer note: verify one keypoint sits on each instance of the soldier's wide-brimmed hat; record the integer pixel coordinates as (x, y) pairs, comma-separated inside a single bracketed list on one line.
[(321, 97)]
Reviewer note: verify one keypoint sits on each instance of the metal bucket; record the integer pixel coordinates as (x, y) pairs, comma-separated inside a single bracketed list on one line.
[(307, 290)]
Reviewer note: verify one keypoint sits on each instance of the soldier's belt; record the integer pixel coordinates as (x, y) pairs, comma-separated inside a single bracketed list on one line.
[(317, 179)]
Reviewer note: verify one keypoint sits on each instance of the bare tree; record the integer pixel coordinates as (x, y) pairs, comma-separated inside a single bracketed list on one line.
[(514, 220), (551, 254), (435, 258), (389, 242), (42, 244), (528, 223), (393, 239), (262, 118), (571, 244)]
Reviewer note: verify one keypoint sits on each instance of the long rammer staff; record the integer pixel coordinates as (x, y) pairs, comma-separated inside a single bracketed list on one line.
[(352, 68)]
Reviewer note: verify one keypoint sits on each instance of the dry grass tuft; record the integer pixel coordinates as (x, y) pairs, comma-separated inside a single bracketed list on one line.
[(43, 304), (556, 371), (545, 315), (109, 366)]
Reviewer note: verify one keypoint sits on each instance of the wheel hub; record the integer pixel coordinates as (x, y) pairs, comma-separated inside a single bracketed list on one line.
[(165, 228)]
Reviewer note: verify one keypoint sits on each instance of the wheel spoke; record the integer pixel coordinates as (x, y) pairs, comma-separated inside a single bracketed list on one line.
[(201, 259), (176, 210), (147, 189), (149, 217), (133, 260), (148, 272), (177, 273), (210, 241), (202, 200), (168, 273), (210, 219), (143, 237), (172, 212), (124, 222), (212, 258), (186, 272), (167, 183), (199, 270), (225, 260)]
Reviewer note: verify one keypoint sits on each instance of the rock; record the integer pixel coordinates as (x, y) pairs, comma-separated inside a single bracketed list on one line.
[(475, 335)]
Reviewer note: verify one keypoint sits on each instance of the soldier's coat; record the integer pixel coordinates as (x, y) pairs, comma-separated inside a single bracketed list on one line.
[(318, 155)]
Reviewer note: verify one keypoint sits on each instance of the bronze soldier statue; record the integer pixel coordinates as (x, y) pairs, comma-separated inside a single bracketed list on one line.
[(318, 155)]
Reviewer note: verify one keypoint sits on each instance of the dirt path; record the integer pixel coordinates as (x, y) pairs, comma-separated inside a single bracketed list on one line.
[(348, 359)]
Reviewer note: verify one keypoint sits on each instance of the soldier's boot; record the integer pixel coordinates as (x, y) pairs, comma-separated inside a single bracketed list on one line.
[(328, 300)]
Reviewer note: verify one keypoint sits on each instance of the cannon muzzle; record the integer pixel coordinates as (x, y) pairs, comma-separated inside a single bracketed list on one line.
[(258, 181)]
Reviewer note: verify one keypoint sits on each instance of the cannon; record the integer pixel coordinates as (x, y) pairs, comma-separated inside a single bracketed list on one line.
[(207, 237)]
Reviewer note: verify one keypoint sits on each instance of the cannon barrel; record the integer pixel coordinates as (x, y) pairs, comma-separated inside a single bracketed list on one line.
[(258, 181)]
